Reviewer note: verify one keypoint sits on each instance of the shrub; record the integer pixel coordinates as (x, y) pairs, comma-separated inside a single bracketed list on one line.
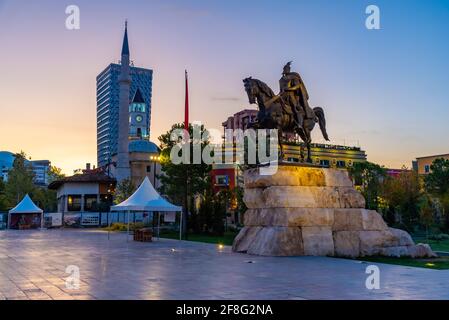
[(439, 237), (118, 226), (234, 229)]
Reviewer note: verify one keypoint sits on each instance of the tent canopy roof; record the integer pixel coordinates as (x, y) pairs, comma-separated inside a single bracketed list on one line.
[(145, 198), (26, 206)]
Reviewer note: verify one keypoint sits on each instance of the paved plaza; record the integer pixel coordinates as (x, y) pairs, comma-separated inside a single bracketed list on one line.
[(33, 266)]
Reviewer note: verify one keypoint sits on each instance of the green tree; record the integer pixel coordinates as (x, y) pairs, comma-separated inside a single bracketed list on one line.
[(124, 190), (437, 181), (45, 198), (426, 214), (368, 177), (437, 184), (20, 180), (222, 203), (55, 173), (240, 204), (3, 199), (201, 219), (211, 213), (444, 202), (403, 194), (185, 181)]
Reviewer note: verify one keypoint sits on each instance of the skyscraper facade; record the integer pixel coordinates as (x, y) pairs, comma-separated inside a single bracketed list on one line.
[(108, 101)]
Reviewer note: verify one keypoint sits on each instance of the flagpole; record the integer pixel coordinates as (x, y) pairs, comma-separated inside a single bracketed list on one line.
[(186, 106), (186, 131)]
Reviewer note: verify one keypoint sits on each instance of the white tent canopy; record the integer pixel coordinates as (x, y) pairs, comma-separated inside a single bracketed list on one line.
[(146, 198), (26, 206)]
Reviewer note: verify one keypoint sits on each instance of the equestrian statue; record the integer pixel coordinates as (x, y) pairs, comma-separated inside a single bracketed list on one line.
[(288, 111)]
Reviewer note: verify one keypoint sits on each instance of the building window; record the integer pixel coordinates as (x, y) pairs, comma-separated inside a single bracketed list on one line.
[(325, 163), (74, 203), (222, 180), (90, 203), (341, 164), (137, 107), (426, 168), (148, 169)]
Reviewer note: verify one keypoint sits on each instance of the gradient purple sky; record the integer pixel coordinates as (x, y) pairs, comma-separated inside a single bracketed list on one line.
[(384, 89)]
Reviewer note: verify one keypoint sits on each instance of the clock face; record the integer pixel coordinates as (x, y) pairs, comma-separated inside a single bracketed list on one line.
[(139, 118)]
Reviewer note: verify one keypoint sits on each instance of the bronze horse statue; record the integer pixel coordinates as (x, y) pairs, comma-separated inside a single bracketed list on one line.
[(274, 113)]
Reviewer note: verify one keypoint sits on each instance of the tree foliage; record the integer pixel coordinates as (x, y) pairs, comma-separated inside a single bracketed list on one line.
[(241, 206), (181, 183), (426, 214), (437, 181), (54, 173), (368, 177), (20, 180), (403, 194), (124, 190), (212, 212), (3, 198), (437, 184), (45, 199)]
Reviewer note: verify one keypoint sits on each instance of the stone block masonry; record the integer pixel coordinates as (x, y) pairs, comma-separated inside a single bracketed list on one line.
[(303, 210)]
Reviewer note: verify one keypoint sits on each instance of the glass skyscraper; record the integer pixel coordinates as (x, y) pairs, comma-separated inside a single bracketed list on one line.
[(108, 106)]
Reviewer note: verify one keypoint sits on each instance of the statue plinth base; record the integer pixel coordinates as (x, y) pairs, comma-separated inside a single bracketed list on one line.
[(304, 210)]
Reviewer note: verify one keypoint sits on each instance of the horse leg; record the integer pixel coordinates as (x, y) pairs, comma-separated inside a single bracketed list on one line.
[(281, 151), (308, 142), (309, 158)]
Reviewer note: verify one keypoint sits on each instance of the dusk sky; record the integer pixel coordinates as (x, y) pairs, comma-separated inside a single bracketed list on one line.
[(386, 90)]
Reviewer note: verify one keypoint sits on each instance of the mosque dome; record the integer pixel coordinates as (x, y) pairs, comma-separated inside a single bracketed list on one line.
[(143, 146)]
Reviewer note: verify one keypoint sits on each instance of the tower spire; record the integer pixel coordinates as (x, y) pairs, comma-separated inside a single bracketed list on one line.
[(123, 169), (125, 47)]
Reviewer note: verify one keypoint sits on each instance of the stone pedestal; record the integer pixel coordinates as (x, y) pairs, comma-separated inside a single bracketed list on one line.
[(304, 210)]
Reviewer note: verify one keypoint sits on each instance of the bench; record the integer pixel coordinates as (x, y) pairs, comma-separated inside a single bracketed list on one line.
[(143, 235)]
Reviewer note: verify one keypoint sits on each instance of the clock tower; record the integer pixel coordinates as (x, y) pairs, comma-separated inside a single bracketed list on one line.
[(138, 118)]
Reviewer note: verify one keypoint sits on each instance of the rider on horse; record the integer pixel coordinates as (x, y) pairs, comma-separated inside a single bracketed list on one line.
[(289, 111), (294, 94)]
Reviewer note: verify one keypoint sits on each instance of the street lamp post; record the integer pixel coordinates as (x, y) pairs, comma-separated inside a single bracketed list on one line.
[(155, 160), (154, 175)]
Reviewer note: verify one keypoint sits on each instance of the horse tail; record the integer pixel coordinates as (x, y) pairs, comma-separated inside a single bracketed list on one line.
[(322, 121)]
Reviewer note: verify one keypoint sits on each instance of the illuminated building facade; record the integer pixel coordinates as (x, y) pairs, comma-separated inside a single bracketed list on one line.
[(422, 164)]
